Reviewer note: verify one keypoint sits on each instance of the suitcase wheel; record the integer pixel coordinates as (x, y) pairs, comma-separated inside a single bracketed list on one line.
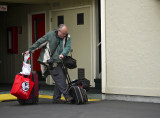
[(29, 101), (36, 100), (21, 102)]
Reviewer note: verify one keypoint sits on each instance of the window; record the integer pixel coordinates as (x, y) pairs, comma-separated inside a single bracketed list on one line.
[(60, 20), (80, 19)]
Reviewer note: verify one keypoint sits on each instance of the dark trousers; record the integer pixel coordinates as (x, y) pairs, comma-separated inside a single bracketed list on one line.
[(60, 82)]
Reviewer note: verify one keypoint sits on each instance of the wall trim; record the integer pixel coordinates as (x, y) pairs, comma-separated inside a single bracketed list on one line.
[(131, 98), (103, 45), (71, 8)]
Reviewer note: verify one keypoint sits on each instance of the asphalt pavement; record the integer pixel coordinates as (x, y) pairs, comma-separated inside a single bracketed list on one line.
[(93, 109)]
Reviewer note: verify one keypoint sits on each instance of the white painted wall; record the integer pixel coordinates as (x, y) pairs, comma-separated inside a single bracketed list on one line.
[(132, 47)]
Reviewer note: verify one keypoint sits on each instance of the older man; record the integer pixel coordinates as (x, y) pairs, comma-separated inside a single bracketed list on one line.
[(55, 45)]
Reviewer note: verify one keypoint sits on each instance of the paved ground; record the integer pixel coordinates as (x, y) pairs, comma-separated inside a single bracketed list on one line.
[(93, 109), (100, 109)]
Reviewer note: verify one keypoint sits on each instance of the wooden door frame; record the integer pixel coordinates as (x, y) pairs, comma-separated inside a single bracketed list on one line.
[(30, 26)]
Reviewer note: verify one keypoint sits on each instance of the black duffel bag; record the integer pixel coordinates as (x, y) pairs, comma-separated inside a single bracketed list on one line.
[(69, 62), (83, 83)]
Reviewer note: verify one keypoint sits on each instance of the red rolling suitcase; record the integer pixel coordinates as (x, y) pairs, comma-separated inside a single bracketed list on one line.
[(22, 86), (33, 97)]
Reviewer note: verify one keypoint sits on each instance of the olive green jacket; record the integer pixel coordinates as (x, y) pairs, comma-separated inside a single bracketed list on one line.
[(48, 43)]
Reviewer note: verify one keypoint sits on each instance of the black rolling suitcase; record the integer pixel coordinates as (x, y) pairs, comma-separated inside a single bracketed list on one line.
[(33, 97), (79, 94)]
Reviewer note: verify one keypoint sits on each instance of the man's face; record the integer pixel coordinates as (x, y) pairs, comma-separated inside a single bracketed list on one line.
[(62, 33)]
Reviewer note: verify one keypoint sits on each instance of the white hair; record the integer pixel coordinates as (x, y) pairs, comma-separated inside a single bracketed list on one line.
[(61, 26)]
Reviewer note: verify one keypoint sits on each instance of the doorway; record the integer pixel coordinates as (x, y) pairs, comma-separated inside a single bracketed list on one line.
[(78, 21), (38, 30)]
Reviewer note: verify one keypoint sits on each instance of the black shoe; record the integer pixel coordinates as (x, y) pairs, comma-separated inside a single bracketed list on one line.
[(59, 101), (69, 99)]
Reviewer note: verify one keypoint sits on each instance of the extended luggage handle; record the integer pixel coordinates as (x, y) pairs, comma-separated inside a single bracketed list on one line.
[(66, 74), (30, 62), (23, 54)]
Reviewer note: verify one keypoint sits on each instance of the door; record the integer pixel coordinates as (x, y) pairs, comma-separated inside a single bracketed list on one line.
[(38, 30), (78, 22)]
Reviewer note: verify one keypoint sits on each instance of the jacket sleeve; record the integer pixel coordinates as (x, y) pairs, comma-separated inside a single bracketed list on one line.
[(39, 43), (67, 47)]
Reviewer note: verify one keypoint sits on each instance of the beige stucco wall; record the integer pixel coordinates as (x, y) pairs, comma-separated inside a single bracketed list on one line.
[(133, 47)]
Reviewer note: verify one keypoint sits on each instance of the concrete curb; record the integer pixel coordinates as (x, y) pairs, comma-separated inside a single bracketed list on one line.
[(8, 97)]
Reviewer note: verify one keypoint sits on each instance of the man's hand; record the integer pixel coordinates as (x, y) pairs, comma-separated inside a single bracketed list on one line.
[(61, 56), (27, 52)]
